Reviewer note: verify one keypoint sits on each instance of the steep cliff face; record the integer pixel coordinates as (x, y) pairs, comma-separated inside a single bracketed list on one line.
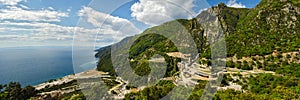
[(228, 16)]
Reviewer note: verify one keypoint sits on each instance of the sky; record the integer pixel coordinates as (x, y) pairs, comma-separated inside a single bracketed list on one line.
[(92, 22)]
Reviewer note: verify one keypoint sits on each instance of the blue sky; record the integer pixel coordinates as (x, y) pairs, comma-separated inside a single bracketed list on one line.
[(54, 22)]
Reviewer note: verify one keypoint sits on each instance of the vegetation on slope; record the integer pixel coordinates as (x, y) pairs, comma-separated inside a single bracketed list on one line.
[(150, 43), (270, 26), (262, 87), (14, 91)]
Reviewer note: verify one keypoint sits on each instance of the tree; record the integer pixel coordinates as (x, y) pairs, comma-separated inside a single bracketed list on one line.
[(230, 64), (238, 65), (76, 97), (14, 91), (259, 65), (209, 63), (1, 87), (246, 66), (245, 62), (279, 56), (28, 92), (288, 56), (253, 63), (265, 63)]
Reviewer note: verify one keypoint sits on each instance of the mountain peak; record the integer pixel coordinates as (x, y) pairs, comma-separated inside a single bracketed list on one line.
[(221, 5)]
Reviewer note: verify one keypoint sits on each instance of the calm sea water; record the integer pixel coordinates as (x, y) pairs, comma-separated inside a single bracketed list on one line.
[(35, 65)]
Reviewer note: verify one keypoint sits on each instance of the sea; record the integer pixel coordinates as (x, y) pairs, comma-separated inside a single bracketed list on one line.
[(36, 65)]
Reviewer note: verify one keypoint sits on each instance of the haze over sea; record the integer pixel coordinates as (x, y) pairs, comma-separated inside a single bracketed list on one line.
[(35, 65)]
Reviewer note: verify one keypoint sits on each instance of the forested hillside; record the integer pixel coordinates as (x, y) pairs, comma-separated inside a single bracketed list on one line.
[(263, 38)]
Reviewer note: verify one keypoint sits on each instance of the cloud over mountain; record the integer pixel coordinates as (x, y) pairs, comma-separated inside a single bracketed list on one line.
[(235, 4), (155, 12), (111, 28)]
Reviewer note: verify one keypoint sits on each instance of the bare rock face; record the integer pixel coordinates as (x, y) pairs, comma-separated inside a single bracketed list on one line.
[(282, 16), (212, 24)]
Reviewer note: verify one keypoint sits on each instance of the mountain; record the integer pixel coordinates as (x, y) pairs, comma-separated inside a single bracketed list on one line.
[(271, 25), (265, 38)]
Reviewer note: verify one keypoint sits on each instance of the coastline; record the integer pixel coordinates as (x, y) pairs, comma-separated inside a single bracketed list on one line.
[(60, 87), (69, 78)]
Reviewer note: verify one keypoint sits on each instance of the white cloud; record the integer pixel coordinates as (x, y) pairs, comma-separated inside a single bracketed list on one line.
[(23, 6), (155, 12), (10, 2), (12, 36), (28, 27), (44, 15), (21, 25), (39, 33), (233, 3), (16, 31), (112, 28), (69, 9), (51, 8)]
